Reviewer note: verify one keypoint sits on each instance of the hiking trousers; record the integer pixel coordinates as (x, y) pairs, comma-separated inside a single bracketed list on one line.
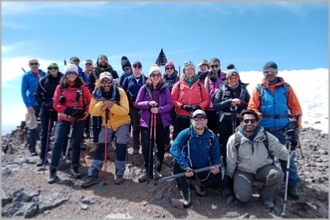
[(270, 175)]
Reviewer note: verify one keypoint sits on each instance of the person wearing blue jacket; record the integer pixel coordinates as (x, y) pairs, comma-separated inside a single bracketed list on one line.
[(195, 153), (29, 84)]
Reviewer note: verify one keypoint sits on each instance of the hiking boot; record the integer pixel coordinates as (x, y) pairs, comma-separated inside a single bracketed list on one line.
[(136, 151), (198, 188), (186, 198), (82, 146), (86, 135), (90, 181), (52, 175), (144, 176), (74, 171), (33, 154), (158, 176), (119, 180), (40, 162), (293, 193), (267, 203), (93, 149)]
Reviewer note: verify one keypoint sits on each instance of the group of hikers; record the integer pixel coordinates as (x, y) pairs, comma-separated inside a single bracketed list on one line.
[(216, 123)]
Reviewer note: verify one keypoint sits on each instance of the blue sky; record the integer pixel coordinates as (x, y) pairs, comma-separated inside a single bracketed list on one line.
[(294, 35)]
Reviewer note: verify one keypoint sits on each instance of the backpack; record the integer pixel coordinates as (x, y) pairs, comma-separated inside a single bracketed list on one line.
[(260, 88), (239, 137), (189, 137), (199, 86)]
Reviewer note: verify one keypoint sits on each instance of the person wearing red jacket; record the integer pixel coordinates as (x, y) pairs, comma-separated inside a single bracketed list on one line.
[(188, 94), (71, 101)]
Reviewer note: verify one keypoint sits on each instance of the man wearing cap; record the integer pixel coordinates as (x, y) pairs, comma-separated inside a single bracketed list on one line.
[(29, 84), (204, 67), (81, 74), (278, 98), (102, 65), (195, 153), (117, 122)]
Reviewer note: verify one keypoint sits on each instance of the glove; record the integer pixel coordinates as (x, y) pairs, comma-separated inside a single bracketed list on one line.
[(79, 113), (48, 105), (69, 111), (292, 136), (196, 107), (188, 108)]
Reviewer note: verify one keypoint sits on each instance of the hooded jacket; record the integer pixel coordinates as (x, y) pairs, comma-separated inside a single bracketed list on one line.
[(253, 155), (189, 95), (275, 103), (118, 113), (165, 105), (98, 71)]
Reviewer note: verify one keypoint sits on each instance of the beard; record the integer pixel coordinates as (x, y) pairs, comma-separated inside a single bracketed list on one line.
[(103, 64)]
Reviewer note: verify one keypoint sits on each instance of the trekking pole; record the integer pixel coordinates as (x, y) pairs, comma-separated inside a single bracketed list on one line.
[(155, 150), (294, 125), (69, 141), (47, 141), (105, 146), (150, 144), (23, 70), (233, 109)]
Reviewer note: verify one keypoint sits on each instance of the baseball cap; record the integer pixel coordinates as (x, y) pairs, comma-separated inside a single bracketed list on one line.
[(198, 112)]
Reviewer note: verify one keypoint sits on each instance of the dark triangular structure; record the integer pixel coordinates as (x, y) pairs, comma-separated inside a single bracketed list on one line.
[(161, 60)]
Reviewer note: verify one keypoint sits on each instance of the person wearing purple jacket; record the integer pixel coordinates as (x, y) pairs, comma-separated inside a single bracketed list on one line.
[(154, 98)]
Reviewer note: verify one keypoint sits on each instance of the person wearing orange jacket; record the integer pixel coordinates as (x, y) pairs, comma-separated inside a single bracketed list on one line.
[(71, 100), (273, 107), (188, 95)]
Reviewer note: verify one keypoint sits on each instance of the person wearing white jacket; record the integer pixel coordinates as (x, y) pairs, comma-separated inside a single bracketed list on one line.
[(248, 160)]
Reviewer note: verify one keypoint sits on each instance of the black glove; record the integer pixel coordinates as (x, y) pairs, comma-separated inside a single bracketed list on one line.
[(79, 113), (188, 108), (196, 107), (69, 111), (48, 105), (292, 137)]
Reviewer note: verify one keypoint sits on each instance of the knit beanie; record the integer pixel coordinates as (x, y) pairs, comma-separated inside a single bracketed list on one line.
[(125, 62), (170, 63), (154, 68), (270, 64), (70, 68), (230, 66), (74, 58), (232, 72), (52, 65)]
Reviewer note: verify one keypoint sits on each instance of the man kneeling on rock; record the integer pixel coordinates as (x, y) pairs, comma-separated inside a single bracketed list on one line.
[(248, 160), (194, 148), (110, 102)]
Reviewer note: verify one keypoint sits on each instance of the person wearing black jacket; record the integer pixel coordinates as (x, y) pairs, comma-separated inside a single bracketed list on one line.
[(102, 65), (44, 96)]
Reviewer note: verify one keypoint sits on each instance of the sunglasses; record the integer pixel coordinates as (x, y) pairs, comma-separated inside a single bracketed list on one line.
[(106, 82), (270, 71), (52, 68), (155, 74), (126, 69), (34, 64), (169, 68), (71, 73), (246, 121), (137, 66), (214, 66), (199, 119), (233, 77), (88, 64)]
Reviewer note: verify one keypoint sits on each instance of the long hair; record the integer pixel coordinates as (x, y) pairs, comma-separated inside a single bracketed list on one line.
[(77, 83)]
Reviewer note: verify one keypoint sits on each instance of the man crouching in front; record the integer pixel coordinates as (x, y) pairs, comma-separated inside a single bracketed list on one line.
[(194, 148)]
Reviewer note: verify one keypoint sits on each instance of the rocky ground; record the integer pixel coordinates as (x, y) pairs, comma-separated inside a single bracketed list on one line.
[(26, 193)]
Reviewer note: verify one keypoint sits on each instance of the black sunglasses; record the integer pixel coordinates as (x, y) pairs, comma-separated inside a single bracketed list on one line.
[(137, 66), (246, 121), (106, 82), (88, 64), (199, 119), (214, 66), (34, 64), (126, 69), (52, 68)]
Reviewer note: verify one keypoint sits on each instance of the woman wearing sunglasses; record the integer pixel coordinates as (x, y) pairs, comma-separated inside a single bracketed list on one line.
[(229, 100), (44, 96), (71, 101), (154, 100)]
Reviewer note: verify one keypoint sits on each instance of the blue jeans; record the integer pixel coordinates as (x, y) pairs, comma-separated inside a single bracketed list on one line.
[(293, 172), (61, 135), (32, 133)]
